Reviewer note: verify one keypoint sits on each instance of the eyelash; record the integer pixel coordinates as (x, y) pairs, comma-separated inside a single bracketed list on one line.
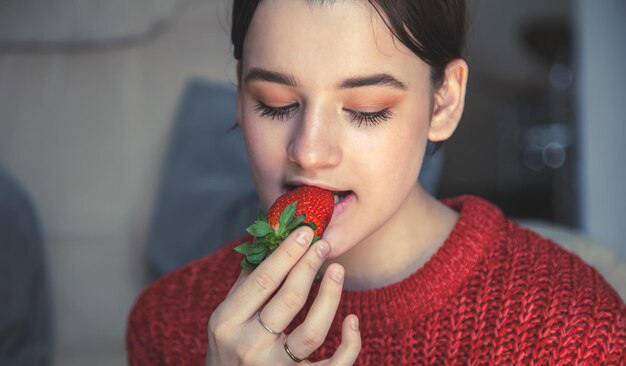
[(370, 118), (283, 113), (279, 113)]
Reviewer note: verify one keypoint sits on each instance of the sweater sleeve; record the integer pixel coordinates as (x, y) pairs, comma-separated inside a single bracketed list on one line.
[(589, 323)]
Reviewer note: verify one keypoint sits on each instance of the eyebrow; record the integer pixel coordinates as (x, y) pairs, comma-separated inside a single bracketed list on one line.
[(259, 74), (373, 80)]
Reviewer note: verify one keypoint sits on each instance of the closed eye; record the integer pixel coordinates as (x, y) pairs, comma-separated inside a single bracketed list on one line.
[(280, 113), (370, 118), (285, 112)]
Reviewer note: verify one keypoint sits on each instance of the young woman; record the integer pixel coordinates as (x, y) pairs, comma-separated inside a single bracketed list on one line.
[(345, 95)]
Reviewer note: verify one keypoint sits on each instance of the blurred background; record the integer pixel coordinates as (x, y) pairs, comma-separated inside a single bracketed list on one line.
[(96, 98)]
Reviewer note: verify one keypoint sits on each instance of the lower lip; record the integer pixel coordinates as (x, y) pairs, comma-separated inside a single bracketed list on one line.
[(342, 206)]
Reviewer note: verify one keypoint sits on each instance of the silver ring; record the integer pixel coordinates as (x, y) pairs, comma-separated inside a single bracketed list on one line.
[(290, 354), (258, 316)]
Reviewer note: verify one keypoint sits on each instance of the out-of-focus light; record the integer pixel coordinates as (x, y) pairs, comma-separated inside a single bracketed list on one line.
[(561, 76), (554, 155), (546, 146), (533, 157)]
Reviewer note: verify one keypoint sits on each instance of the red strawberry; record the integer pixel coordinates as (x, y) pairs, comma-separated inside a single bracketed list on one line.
[(315, 203), (305, 205)]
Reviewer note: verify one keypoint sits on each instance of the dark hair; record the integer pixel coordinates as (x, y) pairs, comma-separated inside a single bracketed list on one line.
[(434, 30)]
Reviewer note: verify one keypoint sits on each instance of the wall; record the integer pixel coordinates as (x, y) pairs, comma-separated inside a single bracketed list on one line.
[(602, 119), (84, 131), (79, 21)]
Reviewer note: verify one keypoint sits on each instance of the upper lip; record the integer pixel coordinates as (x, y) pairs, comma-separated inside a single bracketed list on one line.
[(301, 182)]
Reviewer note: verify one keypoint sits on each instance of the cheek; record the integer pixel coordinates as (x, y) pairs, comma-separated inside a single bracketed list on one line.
[(393, 167), (255, 142), (400, 148), (399, 157), (264, 154)]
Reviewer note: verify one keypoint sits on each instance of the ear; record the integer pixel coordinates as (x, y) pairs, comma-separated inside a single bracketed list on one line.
[(238, 113), (449, 101)]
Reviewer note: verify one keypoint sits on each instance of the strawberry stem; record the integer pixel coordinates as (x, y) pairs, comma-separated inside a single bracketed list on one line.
[(267, 239)]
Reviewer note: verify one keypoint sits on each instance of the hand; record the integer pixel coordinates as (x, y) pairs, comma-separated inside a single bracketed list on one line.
[(237, 337)]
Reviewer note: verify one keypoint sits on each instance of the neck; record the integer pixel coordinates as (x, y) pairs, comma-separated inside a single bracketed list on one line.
[(406, 241)]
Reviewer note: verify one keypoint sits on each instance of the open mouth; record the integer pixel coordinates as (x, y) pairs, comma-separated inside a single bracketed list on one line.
[(339, 196)]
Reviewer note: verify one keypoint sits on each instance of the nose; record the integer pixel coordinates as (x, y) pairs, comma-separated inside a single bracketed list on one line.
[(314, 143)]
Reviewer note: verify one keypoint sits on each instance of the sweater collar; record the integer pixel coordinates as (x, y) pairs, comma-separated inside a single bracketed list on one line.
[(479, 225)]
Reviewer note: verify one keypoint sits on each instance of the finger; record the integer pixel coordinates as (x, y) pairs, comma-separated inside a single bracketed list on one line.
[(348, 351), (245, 301), (292, 296), (243, 275), (309, 335)]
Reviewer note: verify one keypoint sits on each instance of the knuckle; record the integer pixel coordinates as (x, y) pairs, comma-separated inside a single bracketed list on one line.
[(289, 254), (264, 280), (313, 339), (218, 331), (211, 326), (246, 355), (293, 300), (311, 265), (214, 321)]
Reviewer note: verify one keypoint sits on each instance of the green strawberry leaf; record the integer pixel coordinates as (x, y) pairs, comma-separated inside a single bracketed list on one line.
[(248, 249), (247, 265), (259, 229), (286, 215), (256, 258), (243, 248), (264, 241), (274, 244), (315, 238), (295, 223)]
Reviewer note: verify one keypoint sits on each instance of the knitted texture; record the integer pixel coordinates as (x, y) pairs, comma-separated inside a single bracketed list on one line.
[(493, 294)]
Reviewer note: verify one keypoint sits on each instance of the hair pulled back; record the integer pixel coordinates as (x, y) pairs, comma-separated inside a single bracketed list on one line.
[(434, 30)]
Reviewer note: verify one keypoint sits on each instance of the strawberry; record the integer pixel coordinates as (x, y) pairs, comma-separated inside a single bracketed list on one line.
[(315, 203), (305, 205)]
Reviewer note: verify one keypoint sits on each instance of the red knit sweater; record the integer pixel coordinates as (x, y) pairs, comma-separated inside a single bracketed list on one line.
[(493, 294)]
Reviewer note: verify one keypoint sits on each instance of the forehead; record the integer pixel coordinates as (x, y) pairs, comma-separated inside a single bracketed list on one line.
[(324, 42)]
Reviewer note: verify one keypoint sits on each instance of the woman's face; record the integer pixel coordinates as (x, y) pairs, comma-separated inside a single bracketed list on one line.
[(328, 98)]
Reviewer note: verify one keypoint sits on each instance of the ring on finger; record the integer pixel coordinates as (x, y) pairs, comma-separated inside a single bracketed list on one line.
[(258, 316), (290, 354)]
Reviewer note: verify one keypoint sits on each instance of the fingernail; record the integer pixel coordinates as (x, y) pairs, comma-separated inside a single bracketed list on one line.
[(337, 274), (355, 324), (302, 237), (322, 249)]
